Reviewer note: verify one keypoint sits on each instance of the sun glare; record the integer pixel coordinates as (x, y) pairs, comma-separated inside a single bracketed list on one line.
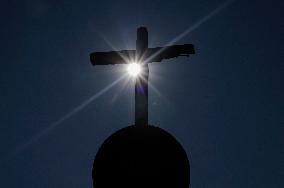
[(134, 69)]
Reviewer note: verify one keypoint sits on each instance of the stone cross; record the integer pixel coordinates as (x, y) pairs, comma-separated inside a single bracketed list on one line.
[(142, 55)]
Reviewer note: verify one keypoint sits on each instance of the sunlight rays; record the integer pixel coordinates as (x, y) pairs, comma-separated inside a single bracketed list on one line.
[(61, 120), (193, 27)]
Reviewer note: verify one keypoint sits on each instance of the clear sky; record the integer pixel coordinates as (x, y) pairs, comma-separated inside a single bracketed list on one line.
[(224, 104)]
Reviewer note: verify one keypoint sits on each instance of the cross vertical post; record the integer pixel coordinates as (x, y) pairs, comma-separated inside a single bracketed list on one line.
[(141, 84)]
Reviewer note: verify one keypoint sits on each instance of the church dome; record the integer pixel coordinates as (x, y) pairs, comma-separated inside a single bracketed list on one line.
[(141, 157)]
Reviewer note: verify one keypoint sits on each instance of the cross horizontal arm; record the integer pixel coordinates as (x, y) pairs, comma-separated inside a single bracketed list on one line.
[(151, 54), (159, 53), (111, 58)]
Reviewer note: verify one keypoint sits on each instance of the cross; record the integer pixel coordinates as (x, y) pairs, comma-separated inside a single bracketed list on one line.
[(142, 55)]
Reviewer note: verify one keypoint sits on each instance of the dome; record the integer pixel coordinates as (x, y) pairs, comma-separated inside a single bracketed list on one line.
[(144, 156)]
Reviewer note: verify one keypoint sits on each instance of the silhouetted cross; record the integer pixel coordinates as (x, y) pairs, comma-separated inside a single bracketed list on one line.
[(142, 55)]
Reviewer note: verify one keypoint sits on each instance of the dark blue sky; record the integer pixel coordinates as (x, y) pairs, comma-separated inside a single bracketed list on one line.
[(224, 104)]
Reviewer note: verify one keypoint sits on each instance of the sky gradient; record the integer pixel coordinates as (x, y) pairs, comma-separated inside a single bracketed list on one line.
[(224, 104)]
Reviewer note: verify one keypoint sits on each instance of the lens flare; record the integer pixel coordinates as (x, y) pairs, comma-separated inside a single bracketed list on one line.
[(134, 69)]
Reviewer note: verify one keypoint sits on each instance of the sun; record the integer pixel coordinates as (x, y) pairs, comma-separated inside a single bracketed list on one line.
[(134, 69)]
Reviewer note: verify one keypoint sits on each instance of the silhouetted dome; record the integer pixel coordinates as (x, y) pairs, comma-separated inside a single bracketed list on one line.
[(139, 157)]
